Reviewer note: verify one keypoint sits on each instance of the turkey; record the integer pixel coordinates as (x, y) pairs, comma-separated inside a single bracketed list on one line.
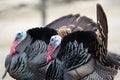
[(27, 57), (28, 51), (82, 55), (25, 50)]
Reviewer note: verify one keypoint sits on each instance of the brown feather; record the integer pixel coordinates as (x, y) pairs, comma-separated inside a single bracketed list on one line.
[(86, 23), (102, 24), (63, 21), (71, 23), (102, 34)]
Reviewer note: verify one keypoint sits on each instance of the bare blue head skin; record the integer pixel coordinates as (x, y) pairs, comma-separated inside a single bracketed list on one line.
[(20, 36), (53, 44), (56, 40)]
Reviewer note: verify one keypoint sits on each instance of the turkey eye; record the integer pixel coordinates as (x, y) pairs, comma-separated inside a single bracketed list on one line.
[(52, 39), (19, 35)]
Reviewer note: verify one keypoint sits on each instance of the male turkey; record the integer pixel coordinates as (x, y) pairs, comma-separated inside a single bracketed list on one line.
[(28, 52), (27, 57), (82, 55)]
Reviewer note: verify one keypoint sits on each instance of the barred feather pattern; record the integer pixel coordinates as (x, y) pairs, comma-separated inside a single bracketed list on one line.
[(37, 47), (100, 49), (75, 55), (101, 73), (54, 70), (19, 68), (102, 37), (23, 61), (96, 76)]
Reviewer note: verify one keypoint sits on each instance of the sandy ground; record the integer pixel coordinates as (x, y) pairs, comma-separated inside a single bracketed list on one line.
[(14, 20)]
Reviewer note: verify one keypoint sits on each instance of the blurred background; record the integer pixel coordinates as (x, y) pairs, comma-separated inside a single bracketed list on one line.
[(17, 15)]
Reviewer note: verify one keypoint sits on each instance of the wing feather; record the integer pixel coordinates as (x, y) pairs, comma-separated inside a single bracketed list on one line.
[(74, 50), (86, 23), (63, 21)]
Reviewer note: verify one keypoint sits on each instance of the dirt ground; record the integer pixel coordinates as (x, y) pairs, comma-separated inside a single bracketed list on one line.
[(13, 20)]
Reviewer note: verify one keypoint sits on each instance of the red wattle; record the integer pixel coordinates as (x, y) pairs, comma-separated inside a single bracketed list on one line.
[(12, 51), (49, 53), (49, 58)]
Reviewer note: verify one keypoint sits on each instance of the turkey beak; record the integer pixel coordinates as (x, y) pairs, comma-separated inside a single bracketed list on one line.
[(7, 68)]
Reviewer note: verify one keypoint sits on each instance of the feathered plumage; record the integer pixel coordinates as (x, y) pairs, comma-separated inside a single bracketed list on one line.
[(74, 52), (90, 61), (30, 55), (34, 46)]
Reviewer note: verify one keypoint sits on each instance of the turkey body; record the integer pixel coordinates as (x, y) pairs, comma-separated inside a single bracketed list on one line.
[(30, 55), (19, 68), (83, 54), (29, 61), (35, 47), (76, 60), (101, 73)]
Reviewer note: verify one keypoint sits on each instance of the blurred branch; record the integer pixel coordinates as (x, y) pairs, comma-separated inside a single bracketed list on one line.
[(43, 11), (66, 1)]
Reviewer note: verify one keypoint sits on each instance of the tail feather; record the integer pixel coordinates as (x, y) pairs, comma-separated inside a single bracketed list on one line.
[(102, 25)]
